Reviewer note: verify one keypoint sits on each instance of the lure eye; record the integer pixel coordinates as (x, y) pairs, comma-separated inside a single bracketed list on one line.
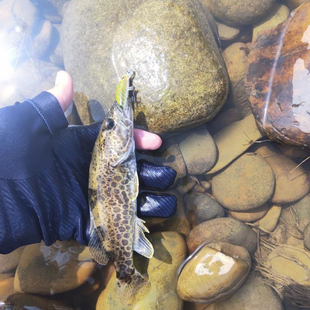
[(109, 124)]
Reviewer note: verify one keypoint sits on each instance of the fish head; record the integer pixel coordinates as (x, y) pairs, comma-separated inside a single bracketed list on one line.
[(116, 135)]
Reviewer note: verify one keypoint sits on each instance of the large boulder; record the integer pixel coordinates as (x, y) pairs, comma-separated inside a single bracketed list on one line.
[(180, 75)]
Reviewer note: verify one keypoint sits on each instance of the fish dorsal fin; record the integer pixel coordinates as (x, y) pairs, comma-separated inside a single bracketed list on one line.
[(96, 249), (141, 244)]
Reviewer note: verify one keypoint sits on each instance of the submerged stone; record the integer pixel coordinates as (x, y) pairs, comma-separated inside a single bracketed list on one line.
[(278, 81), (180, 75)]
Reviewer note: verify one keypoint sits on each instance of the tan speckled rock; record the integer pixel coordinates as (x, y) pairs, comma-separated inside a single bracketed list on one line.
[(9, 262), (227, 33), (236, 58), (270, 220), (222, 230), (6, 287), (176, 91), (214, 273), (301, 211), (293, 4), (55, 269), (238, 12), (170, 251), (252, 215), (253, 295), (277, 14), (245, 185), (233, 140)]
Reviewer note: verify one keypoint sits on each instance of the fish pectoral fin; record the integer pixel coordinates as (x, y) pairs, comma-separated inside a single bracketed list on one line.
[(96, 249), (124, 156), (141, 244)]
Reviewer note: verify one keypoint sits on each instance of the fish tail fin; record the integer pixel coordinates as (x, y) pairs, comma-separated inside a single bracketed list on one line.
[(128, 288)]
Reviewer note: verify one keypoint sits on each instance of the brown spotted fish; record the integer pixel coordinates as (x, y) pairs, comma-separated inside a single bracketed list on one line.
[(115, 229)]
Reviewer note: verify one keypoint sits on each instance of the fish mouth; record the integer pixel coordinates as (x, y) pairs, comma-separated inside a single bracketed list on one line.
[(125, 114)]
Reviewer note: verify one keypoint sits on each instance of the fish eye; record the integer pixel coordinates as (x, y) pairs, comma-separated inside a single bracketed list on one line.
[(109, 124)]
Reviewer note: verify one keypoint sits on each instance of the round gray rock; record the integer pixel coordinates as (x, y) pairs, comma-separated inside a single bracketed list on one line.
[(238, 12), (245, 185), (180, 75)]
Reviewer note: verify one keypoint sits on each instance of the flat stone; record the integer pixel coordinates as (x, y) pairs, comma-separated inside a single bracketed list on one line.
[(238, 12), (175, 93), (292, 183), (252, 215), (169, 252), (245, 185), (222, 230), (270, 220), (198, 150)]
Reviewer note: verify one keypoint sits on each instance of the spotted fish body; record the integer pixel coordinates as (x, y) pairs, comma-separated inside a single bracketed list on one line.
[(115, 230)]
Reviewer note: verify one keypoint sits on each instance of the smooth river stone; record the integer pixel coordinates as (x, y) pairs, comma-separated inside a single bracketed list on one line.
[(233, 140), (253, 295), (227, 33), (222, 230), (49, 270), (278, 81), (252, 215), (245, 185), (292, 183), (169, 253), (270, 220), (198, 150), (301, 210), (238, 12), (307, 237), (9, 262), (180, 75), (214, 273)]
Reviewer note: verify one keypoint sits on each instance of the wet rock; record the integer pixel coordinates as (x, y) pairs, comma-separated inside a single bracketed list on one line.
[(279, 234), (198, 150), (206, 185), (302, 212), (81, 104), (254, 294), (292, 183), (21, 301), (290, 220), (276, 15), (199, 189), (291, 262), (222, 230), (27, 81), (281, 109), (185, 185), (293, 4), (238, 12), (236, 58), (204, 207), (55, 269), (252, 215), (42, 41), (307, 237), (169, 252), (227, 33), (6, 287), (176, 91), (234, 140), (293, 152), (8, 262), (223, 119), (245, 185), (270, 220), (56, 56), (214, 273)]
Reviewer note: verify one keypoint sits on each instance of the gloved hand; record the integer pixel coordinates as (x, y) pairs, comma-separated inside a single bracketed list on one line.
[(44, 172)]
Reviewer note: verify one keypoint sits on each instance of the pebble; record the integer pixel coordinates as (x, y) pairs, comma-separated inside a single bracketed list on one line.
[(175, 93), (307, 237), (214, 273), (301, 211), (236, 60), (245, 185), (292, 183), (276, 15), (9, 262), (64, 265), (252, 215), (204, 207), (198, 150), (279, 78), (254, 294), (270, 220), (238, 12), (227, 33), (233, 140), (169, 253), (222, 230)]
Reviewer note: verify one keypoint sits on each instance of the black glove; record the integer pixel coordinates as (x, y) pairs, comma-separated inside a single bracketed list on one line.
[(44, 176)]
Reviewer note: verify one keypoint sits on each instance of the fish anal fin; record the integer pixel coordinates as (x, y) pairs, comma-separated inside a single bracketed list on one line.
[(96, 249), (141, 244)]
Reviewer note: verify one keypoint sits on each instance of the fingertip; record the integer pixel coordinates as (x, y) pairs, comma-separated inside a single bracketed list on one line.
[(146, 140)]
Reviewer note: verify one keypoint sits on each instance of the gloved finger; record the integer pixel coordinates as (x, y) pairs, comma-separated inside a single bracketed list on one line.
[(155, 176), (156, 205)]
